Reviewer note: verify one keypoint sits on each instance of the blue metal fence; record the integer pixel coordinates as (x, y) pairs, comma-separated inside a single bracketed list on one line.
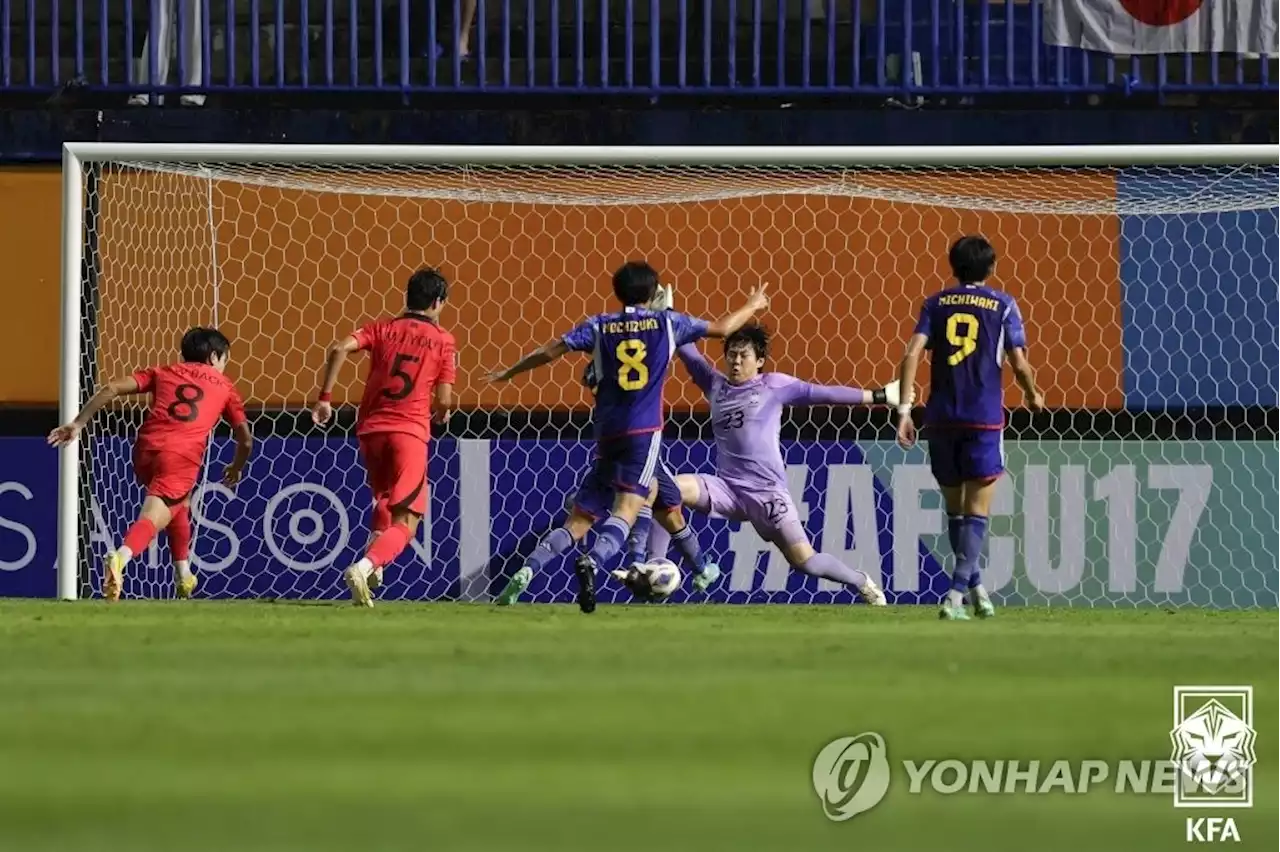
[(901, 48)]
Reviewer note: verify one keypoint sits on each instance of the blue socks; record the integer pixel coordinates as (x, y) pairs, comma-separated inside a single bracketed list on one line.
[(687, 543), (610, 539), (968, 534), (552, 545), (638, 541)]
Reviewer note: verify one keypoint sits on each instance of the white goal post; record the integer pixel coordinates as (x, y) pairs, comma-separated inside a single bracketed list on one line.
[(1152, 482)]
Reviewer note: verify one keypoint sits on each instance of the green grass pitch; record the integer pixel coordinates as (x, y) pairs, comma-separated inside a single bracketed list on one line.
[(238, 727)]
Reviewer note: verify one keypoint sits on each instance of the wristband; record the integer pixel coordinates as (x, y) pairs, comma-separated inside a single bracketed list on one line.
[(904, 409), (325, 396)]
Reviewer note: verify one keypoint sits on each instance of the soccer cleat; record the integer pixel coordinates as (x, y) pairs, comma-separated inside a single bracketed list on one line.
[(708, 575), (872, 594), (515, 586), (953, 613), (585, 570), (185, 587), (982, 607), (112, 576), (358, 583)]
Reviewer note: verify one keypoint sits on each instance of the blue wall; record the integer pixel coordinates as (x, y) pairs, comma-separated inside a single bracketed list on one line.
[(1200, 292)]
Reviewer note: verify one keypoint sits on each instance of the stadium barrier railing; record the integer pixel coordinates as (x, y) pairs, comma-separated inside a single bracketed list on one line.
[(904, 49)]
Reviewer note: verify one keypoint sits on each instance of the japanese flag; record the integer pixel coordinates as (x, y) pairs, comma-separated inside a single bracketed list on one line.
[(1163, 26)]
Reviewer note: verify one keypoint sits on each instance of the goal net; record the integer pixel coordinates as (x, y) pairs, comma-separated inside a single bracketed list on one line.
[(1149, 293)]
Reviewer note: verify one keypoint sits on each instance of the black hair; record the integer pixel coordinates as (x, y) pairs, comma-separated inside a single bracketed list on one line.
[(199, 345), (426, 287), (752, 334), (635, 283), (972, 259)]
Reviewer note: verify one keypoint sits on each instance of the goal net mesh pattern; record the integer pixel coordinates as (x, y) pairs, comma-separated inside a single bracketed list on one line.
[(1149, 295)]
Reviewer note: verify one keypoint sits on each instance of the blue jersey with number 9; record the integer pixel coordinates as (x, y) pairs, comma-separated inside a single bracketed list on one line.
[(970, 328), (631, 352)]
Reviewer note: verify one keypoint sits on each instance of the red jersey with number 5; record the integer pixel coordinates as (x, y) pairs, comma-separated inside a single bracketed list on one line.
[(187, 400), (409, 356)]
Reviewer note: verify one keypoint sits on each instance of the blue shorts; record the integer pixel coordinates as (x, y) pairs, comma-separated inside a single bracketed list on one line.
[(628, 465), (965, 455)]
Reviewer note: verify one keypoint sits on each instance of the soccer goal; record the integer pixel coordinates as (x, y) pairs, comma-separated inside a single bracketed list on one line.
[(1147, 277)]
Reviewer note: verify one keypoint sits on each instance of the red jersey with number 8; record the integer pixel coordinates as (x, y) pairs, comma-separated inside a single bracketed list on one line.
[(187, 401), (409, 356)]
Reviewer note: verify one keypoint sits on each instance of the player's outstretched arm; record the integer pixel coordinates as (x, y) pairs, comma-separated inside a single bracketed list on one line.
[(544, 354), (113, 389), (802, 393), (233, 472), (727, 325), (1026, 378), (700, 368), (907, 369), (335, 355)]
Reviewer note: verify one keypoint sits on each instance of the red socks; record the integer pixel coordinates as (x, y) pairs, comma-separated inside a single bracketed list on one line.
[(179, 531), (140, 535), (388, 545)]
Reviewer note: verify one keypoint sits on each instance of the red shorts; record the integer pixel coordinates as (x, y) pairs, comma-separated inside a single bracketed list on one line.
[(397, 467), (166, 475)]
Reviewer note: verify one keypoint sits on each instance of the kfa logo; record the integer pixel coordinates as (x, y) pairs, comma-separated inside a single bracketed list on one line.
[(1213, 746), (1213, 750), (1212, 830)]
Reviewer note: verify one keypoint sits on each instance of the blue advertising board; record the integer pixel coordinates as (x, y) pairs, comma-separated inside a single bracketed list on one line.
[(1075, 523)]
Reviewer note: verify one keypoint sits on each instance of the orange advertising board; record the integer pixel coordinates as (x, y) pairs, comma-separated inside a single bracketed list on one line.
[(285, 271)]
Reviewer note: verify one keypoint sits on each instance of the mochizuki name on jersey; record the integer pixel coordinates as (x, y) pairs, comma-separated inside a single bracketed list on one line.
[(632, 352), (970, 328)]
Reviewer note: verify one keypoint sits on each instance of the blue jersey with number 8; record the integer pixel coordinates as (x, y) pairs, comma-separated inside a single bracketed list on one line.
[(969, 330), (632, 352)]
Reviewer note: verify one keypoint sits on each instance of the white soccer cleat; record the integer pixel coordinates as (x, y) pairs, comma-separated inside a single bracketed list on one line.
[(358, 583), (872, 593)]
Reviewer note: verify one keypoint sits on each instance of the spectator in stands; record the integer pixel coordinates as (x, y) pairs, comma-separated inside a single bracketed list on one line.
[(165, 25), (466, 10), (464, 37)]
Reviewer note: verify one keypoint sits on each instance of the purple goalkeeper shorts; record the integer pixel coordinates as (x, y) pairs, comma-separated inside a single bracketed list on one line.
[(771, 511), (627, 465), (966, 455)]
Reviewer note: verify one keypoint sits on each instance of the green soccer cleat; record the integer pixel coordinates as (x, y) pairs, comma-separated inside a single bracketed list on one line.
[(515, 586), (982, 608), (953, 613), (708, 575)]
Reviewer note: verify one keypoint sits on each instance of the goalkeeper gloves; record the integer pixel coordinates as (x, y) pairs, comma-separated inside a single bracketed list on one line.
[(890, 394)]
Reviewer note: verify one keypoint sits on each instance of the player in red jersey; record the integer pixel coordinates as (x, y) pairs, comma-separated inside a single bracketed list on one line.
[(187, 401), (412, 361)]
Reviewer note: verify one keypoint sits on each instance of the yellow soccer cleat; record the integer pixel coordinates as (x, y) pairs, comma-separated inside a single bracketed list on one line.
[(185, 586), (112, 576)]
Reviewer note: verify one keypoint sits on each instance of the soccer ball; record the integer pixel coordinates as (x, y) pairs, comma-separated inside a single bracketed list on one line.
[(663, 578)]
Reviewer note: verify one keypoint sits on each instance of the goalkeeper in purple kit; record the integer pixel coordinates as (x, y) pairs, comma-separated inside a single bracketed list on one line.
[(750, 483), (969, 328)]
